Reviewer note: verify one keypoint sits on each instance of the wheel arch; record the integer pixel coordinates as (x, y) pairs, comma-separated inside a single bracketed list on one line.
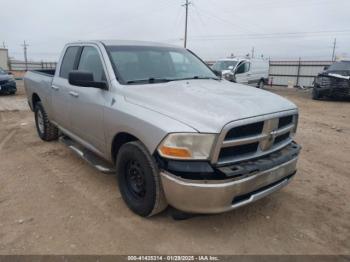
[(35, 99), (119, 140)]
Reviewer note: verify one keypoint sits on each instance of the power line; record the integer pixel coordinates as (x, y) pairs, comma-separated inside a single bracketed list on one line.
[(222, 20), (271, 35)]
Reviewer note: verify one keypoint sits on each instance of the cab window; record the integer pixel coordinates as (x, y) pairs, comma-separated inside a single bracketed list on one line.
[(90, 61), (243, 68)]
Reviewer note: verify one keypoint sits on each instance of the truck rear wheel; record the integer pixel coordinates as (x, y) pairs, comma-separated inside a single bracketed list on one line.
[(139, 180), (46, 130)]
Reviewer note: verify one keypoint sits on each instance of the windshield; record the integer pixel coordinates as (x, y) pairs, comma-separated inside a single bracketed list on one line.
[(2, 71), (145, 64), (224, 65), (345, 65)]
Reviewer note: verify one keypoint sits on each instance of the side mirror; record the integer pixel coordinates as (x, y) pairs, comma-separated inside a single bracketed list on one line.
[(9, 73), (325, 68), (86, 79), (217, 73)]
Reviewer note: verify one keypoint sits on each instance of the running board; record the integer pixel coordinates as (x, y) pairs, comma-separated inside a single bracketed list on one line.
[(99, 163)]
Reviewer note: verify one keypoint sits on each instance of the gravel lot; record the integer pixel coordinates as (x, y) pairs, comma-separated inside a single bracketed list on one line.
[(52, 202)]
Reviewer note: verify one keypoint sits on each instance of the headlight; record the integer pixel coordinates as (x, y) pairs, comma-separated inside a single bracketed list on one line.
[(228, 76), (187, 146)]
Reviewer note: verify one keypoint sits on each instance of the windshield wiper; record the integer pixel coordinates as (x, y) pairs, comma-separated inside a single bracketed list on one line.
[(164, 80), (197, 77), (149, 80), (205, 77)]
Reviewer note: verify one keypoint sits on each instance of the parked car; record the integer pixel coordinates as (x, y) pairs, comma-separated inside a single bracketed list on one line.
[(176, 133), (253, 72), (7, 83), (333, 82)]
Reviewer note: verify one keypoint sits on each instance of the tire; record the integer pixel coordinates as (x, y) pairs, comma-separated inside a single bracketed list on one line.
[(261, 84), (139, 180), (316, 94), (46, 130)]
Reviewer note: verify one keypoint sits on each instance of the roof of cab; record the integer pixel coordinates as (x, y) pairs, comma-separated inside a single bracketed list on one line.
[(233, 59), (127, 43)]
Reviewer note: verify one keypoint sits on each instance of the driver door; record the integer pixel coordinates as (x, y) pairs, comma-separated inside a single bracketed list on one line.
[(88, 103), (242, 73)]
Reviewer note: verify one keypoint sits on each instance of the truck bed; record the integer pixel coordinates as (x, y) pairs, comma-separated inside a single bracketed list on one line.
[(49, 72), (39, 82)]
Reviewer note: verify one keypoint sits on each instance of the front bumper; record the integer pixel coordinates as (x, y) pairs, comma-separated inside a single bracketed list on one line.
[(216, 196), (332, 86)]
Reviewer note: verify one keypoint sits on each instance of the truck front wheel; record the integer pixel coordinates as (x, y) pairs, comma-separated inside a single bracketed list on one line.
[(46, 130), (139, 180)]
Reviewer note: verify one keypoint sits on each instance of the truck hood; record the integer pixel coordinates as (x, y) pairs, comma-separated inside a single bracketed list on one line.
[(206, 105), (345, 74)]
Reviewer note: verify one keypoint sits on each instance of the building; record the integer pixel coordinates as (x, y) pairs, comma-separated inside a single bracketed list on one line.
[(4, 58)]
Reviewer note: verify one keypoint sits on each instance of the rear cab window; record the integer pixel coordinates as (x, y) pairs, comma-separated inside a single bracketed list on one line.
[(69, 61)]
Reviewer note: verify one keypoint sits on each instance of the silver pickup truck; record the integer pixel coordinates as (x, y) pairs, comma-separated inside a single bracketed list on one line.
[(172, 131)]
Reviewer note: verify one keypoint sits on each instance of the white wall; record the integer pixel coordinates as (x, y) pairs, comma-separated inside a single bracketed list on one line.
[(4, 58), (301, 73)]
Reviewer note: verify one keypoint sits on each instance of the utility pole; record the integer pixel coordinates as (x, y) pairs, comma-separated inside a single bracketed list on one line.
[(253, 52), (25, 45), (186, 22), (334, 46)]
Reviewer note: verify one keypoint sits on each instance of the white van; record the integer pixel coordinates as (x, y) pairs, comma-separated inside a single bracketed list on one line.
[(253, 72)]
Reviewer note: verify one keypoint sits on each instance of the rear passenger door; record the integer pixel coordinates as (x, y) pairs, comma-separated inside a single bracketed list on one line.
[(60, 87), (87, 103)]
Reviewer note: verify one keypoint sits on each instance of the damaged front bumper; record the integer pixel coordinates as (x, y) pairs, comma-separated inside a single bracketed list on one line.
[(8, 87), (332, 86), (254, 181)]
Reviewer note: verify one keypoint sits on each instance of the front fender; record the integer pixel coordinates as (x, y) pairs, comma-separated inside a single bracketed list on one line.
[(148, 126)]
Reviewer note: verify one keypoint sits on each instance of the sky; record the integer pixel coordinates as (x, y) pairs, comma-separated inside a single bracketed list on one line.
[(277, 29)]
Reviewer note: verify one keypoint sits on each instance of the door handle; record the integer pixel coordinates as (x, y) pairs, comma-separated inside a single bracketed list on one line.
[(74, 94), (55, 88)]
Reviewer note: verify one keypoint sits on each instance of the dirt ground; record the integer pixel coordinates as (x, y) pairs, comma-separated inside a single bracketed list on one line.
[(52, 202)]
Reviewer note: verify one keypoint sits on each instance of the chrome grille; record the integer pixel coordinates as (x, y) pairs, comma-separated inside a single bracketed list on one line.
[(254, 137)]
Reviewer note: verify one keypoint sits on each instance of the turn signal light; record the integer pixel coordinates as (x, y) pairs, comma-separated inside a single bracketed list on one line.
[(175, 152)]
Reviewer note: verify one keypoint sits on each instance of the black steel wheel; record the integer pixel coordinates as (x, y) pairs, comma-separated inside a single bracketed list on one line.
[(139, 180), (135, 178)]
